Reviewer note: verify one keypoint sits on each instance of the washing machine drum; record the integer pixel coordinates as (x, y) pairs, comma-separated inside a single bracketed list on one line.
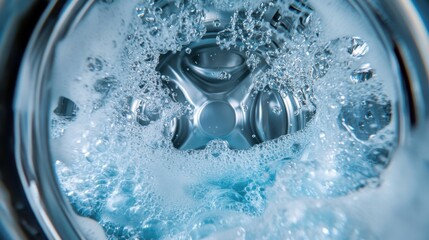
[(174, 119)]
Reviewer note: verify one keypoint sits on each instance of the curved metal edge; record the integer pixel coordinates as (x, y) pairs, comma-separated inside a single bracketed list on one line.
[(406, 25), (17, 221), (32, 150), (8, 222)]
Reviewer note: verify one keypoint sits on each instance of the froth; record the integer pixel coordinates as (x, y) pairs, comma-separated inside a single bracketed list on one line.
[(117, 164)]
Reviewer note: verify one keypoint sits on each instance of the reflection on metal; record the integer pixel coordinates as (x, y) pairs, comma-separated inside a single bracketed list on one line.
[(217, 83)]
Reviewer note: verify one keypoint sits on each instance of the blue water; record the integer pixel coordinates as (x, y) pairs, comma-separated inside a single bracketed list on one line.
[(127, 175)]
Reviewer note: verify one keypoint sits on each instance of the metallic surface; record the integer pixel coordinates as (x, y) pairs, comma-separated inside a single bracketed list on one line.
[(16, 26), (33, 160), (406, 22), (217, 84)]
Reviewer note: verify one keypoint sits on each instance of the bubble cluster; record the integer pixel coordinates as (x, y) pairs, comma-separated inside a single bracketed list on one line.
[(117, 164), (177, 23)]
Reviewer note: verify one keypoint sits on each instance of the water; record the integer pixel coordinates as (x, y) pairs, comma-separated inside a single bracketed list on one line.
[(113, 119)]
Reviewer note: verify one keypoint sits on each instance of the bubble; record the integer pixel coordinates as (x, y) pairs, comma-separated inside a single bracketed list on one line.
[(147, 112), (226, 39), (253, 61), (365, 120), (321, 66), (224, 75), (362, 74), (358, 47), (217, 147), (277, 110), (102, 144)]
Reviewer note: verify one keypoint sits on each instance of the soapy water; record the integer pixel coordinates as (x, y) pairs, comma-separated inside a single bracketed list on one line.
[(113, 111)]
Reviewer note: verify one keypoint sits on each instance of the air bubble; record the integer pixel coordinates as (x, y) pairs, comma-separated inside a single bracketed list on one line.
[(277, 110), (362, 74), (358, 47), (224, 75), (365, 120), (226, 39)]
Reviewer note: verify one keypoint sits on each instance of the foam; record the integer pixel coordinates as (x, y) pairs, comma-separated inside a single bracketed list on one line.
[(128, 176), (341, 20)]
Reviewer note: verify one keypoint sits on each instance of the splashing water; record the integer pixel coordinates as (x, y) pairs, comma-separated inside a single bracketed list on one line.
[(112, 125)]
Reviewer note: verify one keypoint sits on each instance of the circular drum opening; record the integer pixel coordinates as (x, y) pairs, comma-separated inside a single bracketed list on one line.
[(208, 119)]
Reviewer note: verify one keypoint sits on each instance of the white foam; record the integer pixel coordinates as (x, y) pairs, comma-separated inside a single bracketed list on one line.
[(130, 176), (341, 18)]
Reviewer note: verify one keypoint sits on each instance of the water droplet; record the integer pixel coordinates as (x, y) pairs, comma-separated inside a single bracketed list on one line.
[(321, 65), (358, 47), (155, 32), (362, 74), (188, 51)]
